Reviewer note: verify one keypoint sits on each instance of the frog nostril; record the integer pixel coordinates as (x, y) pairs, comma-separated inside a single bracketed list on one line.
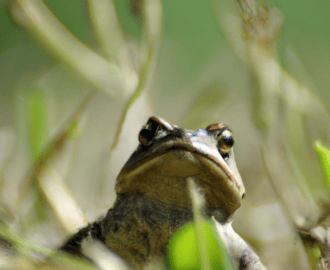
[(243, 195), (177, 132)]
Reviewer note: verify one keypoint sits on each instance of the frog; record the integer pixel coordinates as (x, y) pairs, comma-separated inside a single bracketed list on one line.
[(152, 196)]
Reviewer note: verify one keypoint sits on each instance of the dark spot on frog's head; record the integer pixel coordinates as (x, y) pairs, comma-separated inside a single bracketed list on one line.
[(243, 195), (115, 227)]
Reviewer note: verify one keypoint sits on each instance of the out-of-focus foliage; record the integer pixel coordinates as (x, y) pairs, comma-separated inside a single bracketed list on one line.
[(325, 160), (184, 250), (197, 245), (196, 64)]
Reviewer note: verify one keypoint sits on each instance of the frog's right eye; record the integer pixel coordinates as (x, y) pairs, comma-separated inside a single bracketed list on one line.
[(224, 137), (225, 142), (155, 128)]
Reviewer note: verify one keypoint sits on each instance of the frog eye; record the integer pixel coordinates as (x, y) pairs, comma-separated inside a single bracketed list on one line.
[(155, 127), (224, 136), (148, 132), (225, 142)]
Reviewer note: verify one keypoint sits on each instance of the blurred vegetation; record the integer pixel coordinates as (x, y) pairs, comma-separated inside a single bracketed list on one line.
[(77, 84)]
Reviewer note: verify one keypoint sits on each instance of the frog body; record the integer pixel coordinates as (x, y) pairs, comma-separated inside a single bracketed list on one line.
[(153, 200)]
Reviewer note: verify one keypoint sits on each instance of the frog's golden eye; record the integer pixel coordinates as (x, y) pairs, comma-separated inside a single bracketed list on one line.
[(224, 136), (225, 142)]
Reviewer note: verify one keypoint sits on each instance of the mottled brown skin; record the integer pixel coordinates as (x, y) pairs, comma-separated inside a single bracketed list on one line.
[(153, 199), (138, 228)]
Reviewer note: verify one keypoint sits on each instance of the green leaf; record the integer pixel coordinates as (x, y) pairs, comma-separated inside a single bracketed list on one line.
[(36, 111), (325, 160), (37, 124), (184, 252)]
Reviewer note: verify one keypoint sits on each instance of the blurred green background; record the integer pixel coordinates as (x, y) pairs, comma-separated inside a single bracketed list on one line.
[(191, 40), (198, 79), (190, 30)]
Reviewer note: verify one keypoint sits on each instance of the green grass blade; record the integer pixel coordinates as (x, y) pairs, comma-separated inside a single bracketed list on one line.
[(153, 15), (51, 169), (37, 122), (107, 26), (198, 203), (111, 39), (60, 42), (197, 245), (324, 154)]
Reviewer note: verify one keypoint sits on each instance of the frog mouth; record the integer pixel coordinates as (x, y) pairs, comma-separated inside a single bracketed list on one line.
[(225, 168), (159, 174), (213, 160), (216, 163)]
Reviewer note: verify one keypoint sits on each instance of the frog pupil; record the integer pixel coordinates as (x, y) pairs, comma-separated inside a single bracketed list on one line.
[(228, 140)]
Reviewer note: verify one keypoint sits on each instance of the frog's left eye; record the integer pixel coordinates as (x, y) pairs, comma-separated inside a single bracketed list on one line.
[(148, 132), (156, 127), (225, 142)]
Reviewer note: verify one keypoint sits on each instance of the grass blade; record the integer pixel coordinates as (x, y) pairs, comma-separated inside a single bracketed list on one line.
[(198, 203), (111, 39), (107, 26), (197, 245), (324, 154), (59, 41), (37, 120), (51, 169), (153, 15)]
